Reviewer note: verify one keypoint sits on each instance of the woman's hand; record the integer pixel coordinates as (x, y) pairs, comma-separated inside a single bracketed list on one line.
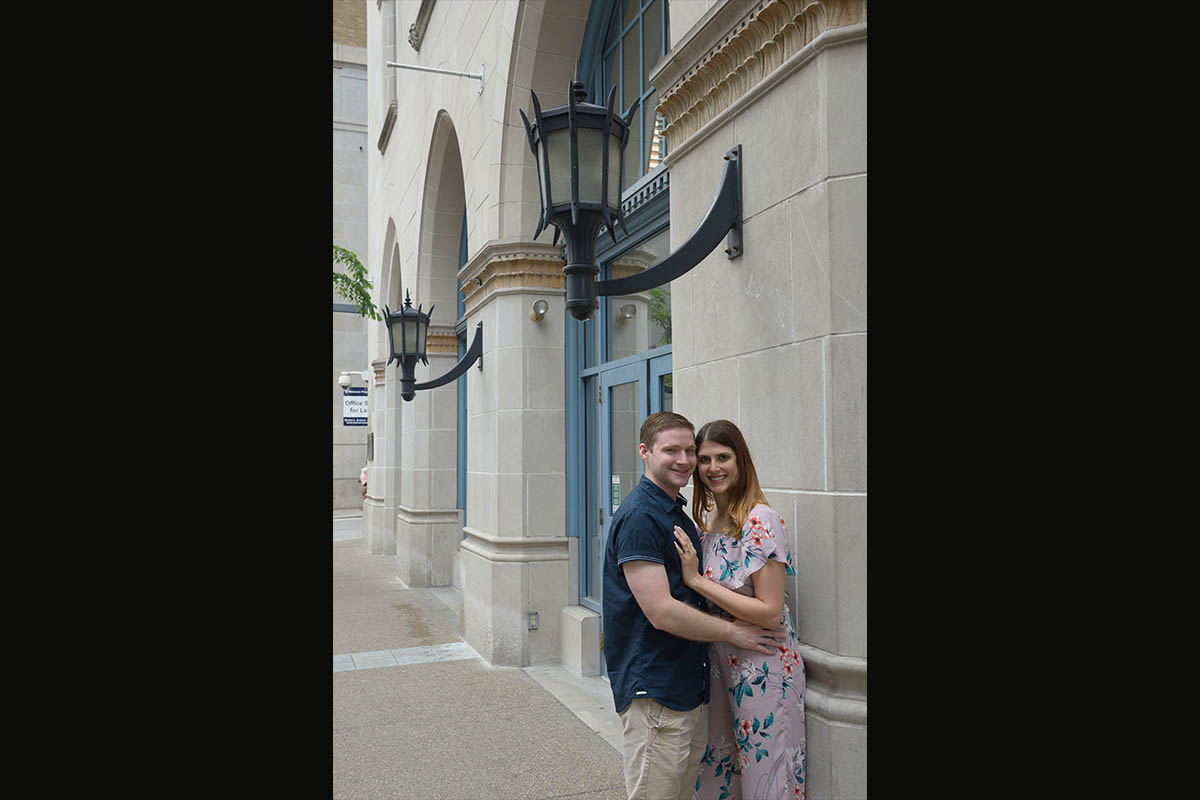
[(689, 559)]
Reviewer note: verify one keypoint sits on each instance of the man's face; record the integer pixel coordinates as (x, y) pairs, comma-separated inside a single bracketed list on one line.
[(672, 459)]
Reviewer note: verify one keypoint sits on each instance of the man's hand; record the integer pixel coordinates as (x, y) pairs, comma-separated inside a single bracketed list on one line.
[(752, 637)]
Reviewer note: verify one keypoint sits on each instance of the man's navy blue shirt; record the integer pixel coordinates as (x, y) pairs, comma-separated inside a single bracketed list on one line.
[(642, 660)]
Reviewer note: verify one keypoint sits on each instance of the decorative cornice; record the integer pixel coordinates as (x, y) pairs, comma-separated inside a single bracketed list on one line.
[(515, 548), (704, 80), (502, 267), (629, 263), (379, 371), (416, 31), (427, 516), (645, 192), (441, 341)]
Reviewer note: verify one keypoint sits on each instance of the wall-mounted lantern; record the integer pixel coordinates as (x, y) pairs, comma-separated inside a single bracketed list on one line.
[(407, 329), (580, 150), (538, 310)]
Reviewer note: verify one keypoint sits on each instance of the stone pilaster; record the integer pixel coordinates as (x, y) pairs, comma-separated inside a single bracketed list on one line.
[(516, 562), (427, 525), (786, 80), (378, 533)]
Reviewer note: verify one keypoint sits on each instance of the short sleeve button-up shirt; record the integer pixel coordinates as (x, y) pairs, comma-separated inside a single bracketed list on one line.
[(642, 660)]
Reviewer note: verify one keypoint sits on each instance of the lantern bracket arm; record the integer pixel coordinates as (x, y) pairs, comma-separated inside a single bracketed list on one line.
[(474, 353), (724, 219)]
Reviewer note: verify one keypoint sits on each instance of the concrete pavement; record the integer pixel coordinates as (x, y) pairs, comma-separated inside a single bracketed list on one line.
[(418, 714)]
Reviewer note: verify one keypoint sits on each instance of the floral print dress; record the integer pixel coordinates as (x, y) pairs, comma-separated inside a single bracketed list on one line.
[(756, 707)]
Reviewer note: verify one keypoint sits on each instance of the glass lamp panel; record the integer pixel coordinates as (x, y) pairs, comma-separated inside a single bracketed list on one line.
[(558, 148), (409, 336), (614, 172), (591, 164), (422, 328), (541, 176)]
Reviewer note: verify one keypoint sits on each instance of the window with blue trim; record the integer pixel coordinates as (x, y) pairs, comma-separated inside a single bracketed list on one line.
[(618, 363), (623, 45)]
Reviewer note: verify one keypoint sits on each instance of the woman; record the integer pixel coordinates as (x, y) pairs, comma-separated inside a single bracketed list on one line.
[(756, 703)]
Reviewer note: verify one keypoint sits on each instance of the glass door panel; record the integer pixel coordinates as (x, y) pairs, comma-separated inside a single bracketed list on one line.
[(593, 549), (618, 397), (661, 398), (625, 422)]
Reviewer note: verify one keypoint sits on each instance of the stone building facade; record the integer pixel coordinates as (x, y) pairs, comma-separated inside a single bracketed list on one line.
[(350, 232), (502, 483)]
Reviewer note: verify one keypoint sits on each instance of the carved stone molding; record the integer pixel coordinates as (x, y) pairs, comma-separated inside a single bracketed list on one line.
[(511, 266), (441, 341), (713, 69), (426, 516), (379, 372), (835, 686), (653, 185), (515, 548), (632, 262), (416, 31)]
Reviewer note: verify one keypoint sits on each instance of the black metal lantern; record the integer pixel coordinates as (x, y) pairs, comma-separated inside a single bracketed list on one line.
[(580, 153), (408, 327)]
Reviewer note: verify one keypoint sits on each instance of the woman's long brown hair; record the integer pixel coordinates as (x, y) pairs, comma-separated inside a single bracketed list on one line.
[(745, 492)]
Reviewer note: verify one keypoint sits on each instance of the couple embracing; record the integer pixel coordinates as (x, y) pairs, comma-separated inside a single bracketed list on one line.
[(701, 651)]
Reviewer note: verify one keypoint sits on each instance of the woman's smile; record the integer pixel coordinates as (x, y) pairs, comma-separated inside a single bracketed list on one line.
[(718, 466)]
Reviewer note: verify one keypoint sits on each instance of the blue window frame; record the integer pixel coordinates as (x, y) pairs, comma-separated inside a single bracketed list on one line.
[(618, 371), (623, 42)]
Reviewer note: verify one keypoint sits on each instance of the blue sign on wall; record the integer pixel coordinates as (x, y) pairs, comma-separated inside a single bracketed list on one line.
[(354, 406)]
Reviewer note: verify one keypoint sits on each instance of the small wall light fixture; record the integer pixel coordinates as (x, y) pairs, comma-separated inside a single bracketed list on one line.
[(626, 313), (406, 340), (538, 310), (579, 149)]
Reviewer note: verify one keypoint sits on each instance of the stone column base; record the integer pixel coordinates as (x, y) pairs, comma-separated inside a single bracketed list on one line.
[(835, 706), (580, 641), (377, 538), (506, 580), (426, 541)]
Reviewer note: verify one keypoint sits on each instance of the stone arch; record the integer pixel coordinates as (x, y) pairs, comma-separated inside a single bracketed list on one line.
[(428, 524), (388, 291), (435, 280), (545, 50)]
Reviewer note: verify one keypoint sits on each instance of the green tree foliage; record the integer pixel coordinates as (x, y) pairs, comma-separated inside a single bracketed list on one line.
[(353, 284), (660, 312)]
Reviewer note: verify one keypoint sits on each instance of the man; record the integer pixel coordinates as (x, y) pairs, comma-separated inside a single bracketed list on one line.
[(655, 633)]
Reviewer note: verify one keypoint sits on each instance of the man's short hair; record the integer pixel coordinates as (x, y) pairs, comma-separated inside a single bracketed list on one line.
[(659, 422)]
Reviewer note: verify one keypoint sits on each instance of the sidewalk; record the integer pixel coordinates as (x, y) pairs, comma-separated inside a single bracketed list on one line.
[(418, 714)]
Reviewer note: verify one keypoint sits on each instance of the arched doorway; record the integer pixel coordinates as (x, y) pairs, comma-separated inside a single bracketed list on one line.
[(428, 521)]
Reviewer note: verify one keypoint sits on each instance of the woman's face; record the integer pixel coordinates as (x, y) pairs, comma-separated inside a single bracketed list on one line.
[(717, 466)]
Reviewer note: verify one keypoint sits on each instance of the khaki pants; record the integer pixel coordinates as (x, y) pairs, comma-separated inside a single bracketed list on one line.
[(662, 749)]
